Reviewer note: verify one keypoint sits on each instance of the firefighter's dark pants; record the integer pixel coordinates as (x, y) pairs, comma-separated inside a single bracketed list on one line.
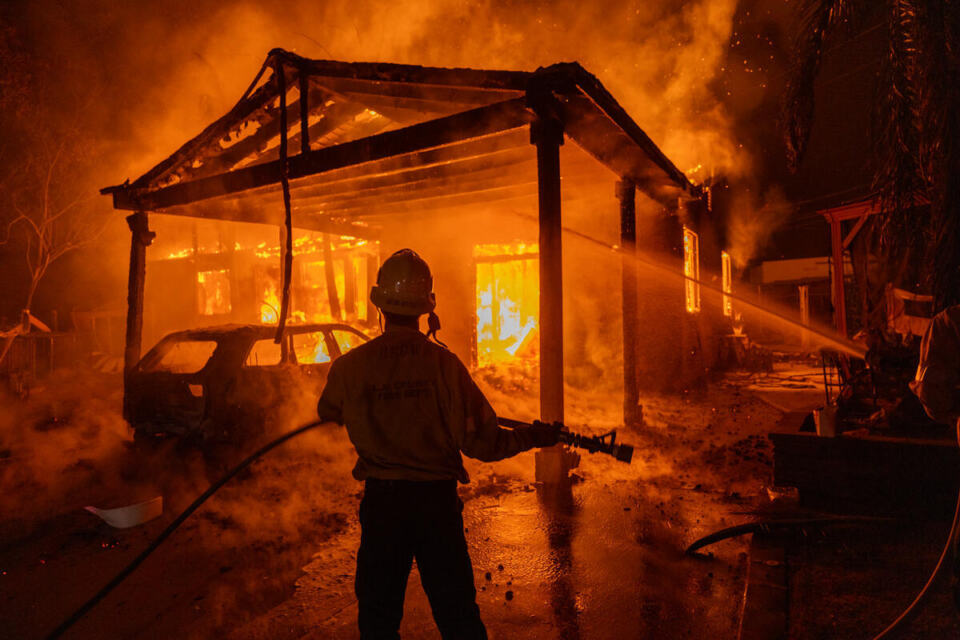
[(401, 520)]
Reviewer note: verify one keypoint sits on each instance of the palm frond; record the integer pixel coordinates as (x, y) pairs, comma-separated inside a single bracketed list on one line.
[(816, 20), (939, 153), (898, 174)]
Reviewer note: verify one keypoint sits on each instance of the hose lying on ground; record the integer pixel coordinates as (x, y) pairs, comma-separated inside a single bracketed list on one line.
[(911, 612), (767, 526), (126, 571)]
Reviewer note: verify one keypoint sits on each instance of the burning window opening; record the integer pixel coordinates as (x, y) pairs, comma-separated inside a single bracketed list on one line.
[(726, 268), (213, 292), (508, 302), (346, 340), (691, 269)]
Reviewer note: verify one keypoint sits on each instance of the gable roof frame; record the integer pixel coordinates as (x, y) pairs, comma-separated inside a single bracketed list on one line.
[(204, 169)]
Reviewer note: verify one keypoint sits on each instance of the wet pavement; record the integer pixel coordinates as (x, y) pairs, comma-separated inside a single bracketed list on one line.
[(598, 560), (273, 555), (602, 559)]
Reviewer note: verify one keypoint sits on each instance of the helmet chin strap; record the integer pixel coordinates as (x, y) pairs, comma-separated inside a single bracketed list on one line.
[(433, 325)]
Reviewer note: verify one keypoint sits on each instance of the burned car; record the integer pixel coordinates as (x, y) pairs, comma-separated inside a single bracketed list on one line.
[(230, 383)]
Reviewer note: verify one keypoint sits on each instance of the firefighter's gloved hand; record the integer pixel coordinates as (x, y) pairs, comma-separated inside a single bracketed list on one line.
[(543, 434)]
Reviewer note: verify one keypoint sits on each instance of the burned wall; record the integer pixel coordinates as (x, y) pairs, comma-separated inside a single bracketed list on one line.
[(679, 345), (203, 272)]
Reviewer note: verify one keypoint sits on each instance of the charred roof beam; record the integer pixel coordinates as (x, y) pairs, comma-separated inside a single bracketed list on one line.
[(259, 140), (241, 112), (475, 123), (505, 148)]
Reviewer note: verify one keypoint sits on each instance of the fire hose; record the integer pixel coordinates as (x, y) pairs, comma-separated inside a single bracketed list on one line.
[(605, 444), (949, 549), (136, 562), (769, 526)]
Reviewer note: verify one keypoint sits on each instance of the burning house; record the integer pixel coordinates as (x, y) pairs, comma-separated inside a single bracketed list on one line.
[(534, 241)]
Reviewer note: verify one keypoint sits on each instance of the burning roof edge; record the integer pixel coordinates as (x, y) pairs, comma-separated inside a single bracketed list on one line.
[(583, 98)]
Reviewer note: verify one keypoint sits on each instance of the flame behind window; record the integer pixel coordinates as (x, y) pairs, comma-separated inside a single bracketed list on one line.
[(213, 292), (726, 267), (270, 305), (508, 302), (691, 269), (311, 348)]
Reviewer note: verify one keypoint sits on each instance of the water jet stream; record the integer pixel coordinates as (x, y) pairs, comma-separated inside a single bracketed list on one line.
[(833, 339)]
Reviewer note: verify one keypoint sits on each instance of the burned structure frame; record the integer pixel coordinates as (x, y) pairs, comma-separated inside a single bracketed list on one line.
[(451, 135)]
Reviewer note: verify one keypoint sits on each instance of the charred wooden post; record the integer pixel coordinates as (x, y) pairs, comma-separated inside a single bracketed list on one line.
[(839, 295), (626, 194), (141, 238), (287, 254), (546, 132), (331, 278)]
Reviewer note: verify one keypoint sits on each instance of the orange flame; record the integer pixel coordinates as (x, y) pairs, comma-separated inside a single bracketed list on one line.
[(691, 269), (270, 306), (508, 298)]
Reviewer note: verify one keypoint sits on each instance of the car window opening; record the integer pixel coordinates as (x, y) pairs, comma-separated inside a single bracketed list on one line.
[(347, 340), (186, 356), (311, 348), (265, 353)]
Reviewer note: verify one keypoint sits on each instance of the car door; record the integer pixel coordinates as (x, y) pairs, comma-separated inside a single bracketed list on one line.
[(165, 393), (313, 350), (264, 384)]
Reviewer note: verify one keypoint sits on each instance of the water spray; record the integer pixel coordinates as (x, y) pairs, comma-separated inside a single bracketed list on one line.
[(837, 341)]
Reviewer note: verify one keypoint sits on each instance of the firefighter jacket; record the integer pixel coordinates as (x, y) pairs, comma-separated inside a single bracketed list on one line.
[(410, 408), (937, 382)]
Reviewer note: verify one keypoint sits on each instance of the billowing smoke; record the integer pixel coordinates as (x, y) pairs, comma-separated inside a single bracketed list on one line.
[(167, 69), (142, 79), (752, 221)]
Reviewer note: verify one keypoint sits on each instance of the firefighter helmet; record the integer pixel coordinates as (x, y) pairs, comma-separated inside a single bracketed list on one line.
[(404, 285)]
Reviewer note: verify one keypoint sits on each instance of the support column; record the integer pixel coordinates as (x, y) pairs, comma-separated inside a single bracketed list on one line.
[(626, 194), (141, 237), (839, 295), (331, 279), (548, 136), (552, 464), (803, 296)]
